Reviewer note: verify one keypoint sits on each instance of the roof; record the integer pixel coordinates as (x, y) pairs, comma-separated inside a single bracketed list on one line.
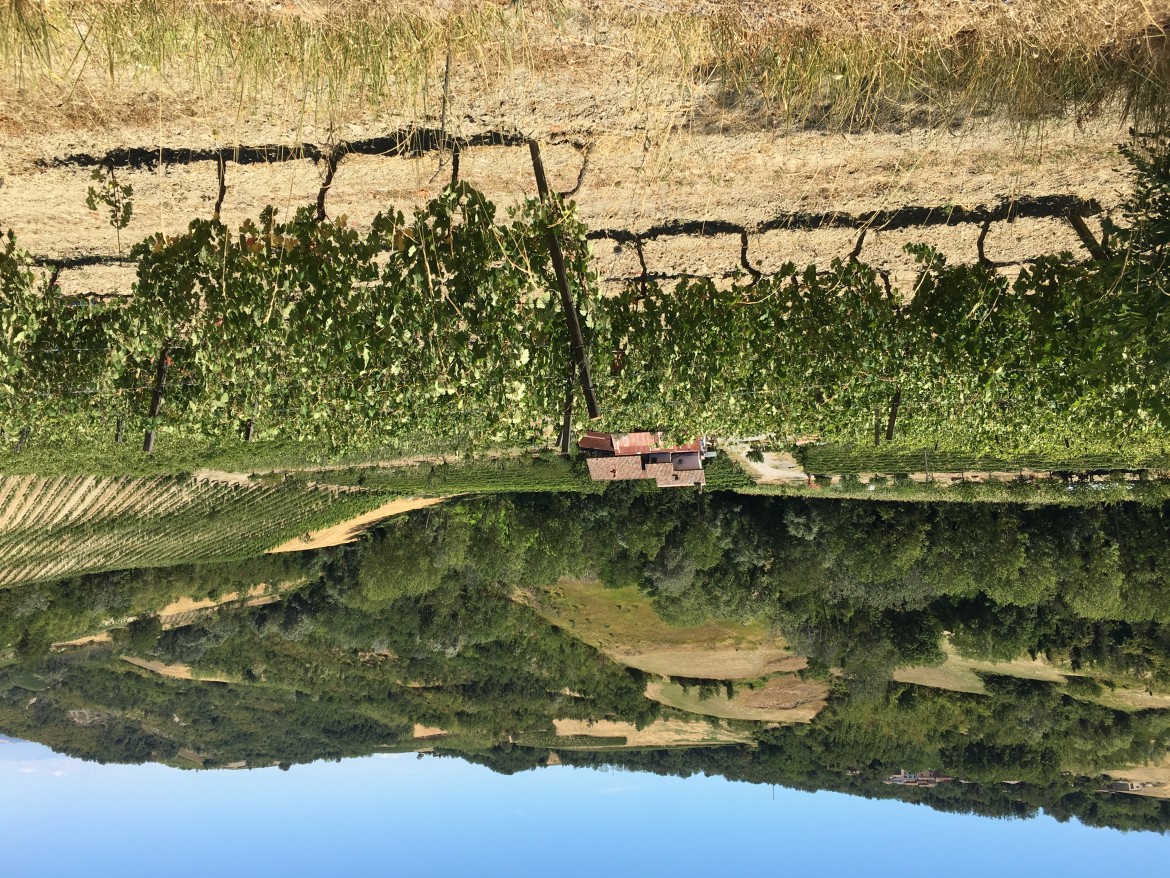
[(612, 469), (679, 478), (594, 441), (636, 443)]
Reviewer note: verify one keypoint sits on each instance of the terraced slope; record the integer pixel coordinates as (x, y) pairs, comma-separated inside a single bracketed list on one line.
[(55, 527)]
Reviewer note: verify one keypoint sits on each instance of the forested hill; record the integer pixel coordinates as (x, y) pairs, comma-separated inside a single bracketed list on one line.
[(414, 639)]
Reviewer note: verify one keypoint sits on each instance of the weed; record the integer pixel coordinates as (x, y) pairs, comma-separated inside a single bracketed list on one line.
[(116, 198)]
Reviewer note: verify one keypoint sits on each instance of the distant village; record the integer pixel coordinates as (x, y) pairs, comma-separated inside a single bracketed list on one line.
[(918, 778)]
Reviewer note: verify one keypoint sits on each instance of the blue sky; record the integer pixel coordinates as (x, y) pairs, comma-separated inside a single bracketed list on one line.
[(398, 815)]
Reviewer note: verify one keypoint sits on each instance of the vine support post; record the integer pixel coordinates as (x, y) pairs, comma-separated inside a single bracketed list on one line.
[(877, 426), (567, 411), (580, 359), (331, 159), (221, 175), (249, 427), (119, 433), (1096, 250), (21, 441), (160, 386), (894, 404)]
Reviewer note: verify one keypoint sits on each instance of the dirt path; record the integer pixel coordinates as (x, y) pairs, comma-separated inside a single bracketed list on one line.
[(175, 671), (348, 531)]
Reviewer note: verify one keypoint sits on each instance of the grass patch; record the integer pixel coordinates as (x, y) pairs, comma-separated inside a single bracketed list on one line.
[(842, 459), (1029, 491), (25, 679), (506, 475), (782, 698), (960, 674), (622, 623)]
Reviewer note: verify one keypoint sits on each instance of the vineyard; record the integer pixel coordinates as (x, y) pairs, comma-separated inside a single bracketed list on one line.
[(56, 527), (505, 475), (442, 331), (892, 459)]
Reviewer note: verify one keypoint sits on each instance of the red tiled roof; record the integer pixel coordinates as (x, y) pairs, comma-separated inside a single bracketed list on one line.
[(679, 478), (636, 443), (647, 443), (593, 441), (613, 469)]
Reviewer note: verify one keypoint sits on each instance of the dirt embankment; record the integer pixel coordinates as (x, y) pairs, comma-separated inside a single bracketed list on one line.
[(799, 197), (348, 531)]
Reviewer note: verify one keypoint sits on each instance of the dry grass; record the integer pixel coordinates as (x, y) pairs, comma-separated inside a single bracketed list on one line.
[(174, 672), (960, 674), (1155, 779), (785, 62), (852, 65), (782, 699), (623, 624), (660, 733)]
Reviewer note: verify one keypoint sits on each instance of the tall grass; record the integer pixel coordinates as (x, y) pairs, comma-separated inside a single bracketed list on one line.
[(833, 70), (835, 65)]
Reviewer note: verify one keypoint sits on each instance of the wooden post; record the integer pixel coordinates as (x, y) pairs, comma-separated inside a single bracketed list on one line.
[(894, 403), (877, 426), (567, 411), (248, 429), (119, 435), (558, 260), (20, 442), (160, 386), (331, 161), (221, 174), (1095, 249)]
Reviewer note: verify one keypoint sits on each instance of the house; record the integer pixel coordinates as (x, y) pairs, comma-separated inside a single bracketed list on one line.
[(615, 457), (1126, 786), (917, 778)]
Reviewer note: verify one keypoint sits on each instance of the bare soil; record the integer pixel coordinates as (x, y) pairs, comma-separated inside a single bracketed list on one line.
[(348, 531), (660, 733)]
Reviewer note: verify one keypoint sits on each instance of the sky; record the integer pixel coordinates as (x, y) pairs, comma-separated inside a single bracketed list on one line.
[(397, 815)]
